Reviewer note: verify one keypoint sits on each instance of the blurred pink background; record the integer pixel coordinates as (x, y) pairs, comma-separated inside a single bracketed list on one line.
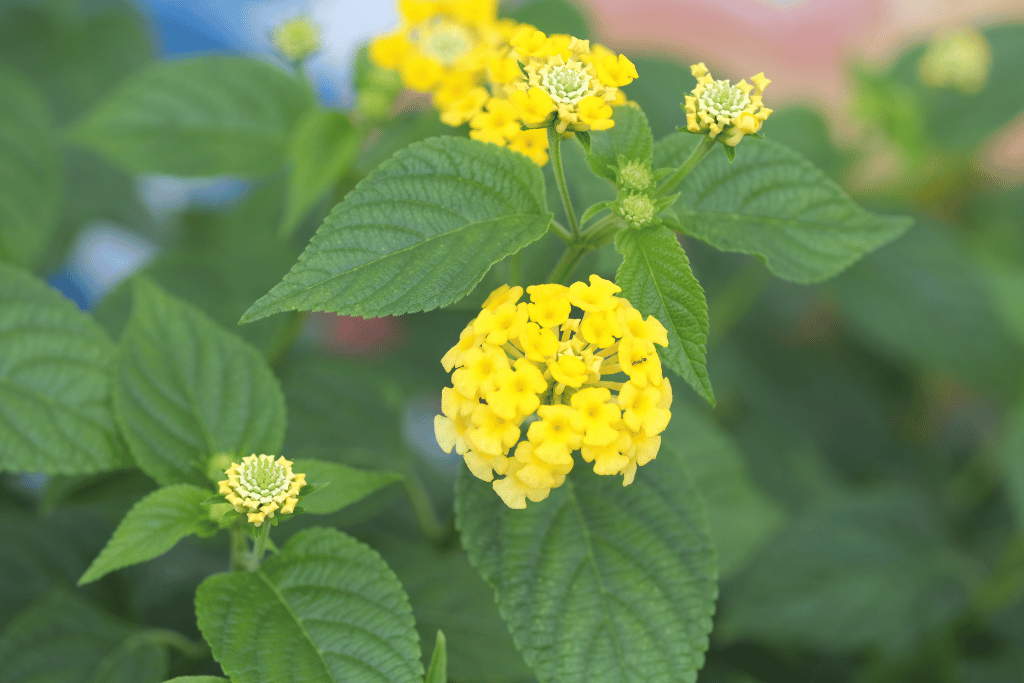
[(803, 46)]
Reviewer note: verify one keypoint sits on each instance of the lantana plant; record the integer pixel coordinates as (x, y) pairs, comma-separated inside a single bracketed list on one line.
[(540, 231)]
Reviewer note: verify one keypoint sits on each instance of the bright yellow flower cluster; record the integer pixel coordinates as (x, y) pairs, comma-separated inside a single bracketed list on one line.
[(959, 59), (534, 364), (717, 107), (458, 51), (261, 487)]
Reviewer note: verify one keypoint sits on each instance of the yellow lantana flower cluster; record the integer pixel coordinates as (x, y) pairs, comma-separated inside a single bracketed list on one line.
[(720, 108), (507, 80), (261, 486), (537, 365), (959, 59), (443, 47)]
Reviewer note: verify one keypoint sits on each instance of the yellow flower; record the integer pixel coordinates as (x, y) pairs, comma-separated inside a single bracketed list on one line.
[(960, 59), (261, 486), (464, 109), (297, 39), (580, 81), (440, 40), (616, 72), (534, 105), (532, 143), (718, 108), (535, 364)]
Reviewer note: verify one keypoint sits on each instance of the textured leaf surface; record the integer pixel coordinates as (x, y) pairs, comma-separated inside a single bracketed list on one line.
[(187, 389), (655, 276), (862, 571), (55, 411), (740, 517), (30, 171), (773, 203), (630, 136), (325, 609), (152, 527), (417, 233), (64, 639), (600, 582), (343, 485), (198, 117), (321, 150)]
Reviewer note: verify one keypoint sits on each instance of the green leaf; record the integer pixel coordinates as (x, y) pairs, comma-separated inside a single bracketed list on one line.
[(740, 517), (325, 609), (776, 205), (322, 148), (438, 670), (861, 571), (55, 410), (923, 300), (64, 639), (630, 137), (655, 276), (198, 679), (418, 233), (152, 527), (30, 171), (187, 389), (344, 485), (198, 117), (600, 582)]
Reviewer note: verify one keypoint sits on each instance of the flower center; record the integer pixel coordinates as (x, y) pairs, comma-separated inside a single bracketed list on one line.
[(566, 83), (262, 477), (722, 99), (444, 41)]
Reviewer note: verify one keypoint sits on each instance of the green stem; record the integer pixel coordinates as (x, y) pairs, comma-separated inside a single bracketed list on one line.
[(561, 231), (260, 546), (555, 151), (570, 259), (702, 149), (515, 269)]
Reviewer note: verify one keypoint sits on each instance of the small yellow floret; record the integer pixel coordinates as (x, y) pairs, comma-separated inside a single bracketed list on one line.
[(725, 111), (534, 105), (261, 486), (616, 72)]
